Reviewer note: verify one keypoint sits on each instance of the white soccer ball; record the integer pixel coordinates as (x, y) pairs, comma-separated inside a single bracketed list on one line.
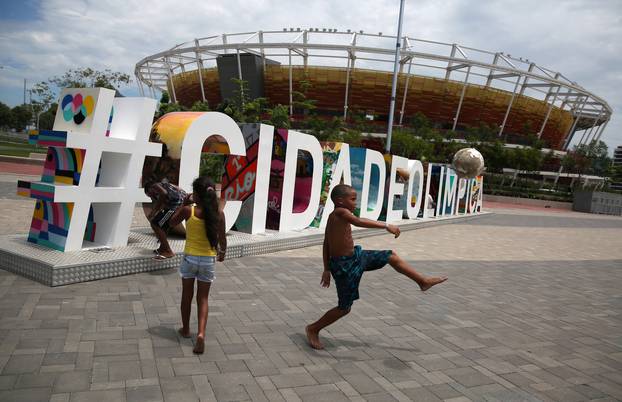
[(468, 163)]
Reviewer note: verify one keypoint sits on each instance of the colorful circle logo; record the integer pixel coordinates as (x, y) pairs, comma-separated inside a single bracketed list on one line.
[(76, 108)]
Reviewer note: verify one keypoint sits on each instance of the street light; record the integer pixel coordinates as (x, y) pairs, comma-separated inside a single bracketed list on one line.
[(395, 70)]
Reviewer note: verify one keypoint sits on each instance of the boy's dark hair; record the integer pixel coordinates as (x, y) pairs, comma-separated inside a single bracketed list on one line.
[(340, 191)]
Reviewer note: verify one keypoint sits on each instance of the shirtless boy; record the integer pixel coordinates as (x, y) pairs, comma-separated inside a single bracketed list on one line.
[(346, 262)]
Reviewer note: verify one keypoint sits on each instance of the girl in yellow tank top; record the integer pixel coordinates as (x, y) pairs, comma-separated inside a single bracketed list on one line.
[(205, 244)]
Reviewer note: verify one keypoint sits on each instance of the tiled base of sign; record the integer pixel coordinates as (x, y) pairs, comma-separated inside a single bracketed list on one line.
[(55, 268)]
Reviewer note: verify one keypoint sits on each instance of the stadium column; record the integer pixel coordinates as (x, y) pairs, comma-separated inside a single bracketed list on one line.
[(507, 112), (524, 86), (548, 112), (574, 124), (495, 60), (449, 64), (237, 51), (150, 81), (199, 68), (170, 78), (601, 131), (410, 63), (589, 133), (345, 101), (263, 51), (140, 84), (291, 97), (464, 85)]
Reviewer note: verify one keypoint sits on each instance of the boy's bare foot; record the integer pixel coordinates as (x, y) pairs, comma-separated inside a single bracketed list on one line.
[(199, 346), (313, 338), (183, 333), (431, 281)]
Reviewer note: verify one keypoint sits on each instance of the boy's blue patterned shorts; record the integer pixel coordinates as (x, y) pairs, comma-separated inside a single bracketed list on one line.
[(348, 270)]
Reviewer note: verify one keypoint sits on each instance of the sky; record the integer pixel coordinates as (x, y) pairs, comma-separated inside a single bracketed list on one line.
[(40, 39)]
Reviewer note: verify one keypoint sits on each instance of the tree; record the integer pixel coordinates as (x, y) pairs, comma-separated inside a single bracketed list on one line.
[(41, 99), (279, 116), (200, 106), (45, 93), (300, 102), (90, 78), (6, 117), (589, 158), (46, 119), (22, 116)]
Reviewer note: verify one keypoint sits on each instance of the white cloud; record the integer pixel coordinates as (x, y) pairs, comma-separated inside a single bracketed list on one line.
[(579, 38)]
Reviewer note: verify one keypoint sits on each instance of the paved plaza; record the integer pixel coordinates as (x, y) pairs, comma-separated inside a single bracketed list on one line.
[(531, 311)]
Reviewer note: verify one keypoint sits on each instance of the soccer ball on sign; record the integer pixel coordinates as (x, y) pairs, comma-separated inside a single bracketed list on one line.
[(468, 163)]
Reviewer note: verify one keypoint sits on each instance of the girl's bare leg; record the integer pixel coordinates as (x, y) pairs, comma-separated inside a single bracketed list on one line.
[(187, 291)]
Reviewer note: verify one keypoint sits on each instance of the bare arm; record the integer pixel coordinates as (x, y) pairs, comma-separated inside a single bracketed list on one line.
[(325, 282), (180, 215), (349, 217), (161, 199), (222, 237)]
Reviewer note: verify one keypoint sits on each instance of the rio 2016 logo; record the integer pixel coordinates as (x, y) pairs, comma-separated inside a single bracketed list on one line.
[(77, 108)]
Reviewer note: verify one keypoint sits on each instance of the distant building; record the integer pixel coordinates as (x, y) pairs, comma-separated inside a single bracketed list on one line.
[(617, 161), (351, 72)]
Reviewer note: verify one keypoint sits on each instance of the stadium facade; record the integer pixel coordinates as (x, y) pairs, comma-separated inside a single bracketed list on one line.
[(454, 86)]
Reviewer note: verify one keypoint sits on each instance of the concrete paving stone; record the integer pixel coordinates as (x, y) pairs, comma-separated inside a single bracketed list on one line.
[(292, 380), (115, 347), (26, 394), (72, 381), (127, 370), (380, 397), (168, 352), (564, 395), (185, 369), (7, 381), (334, 396), (53, 359), (261, 367), (421, 394), (229, 366), (36, 380), (112, 395), (442, 391), (469, 377), (150, 393), (19, 364), (362, 383), (588, 391)]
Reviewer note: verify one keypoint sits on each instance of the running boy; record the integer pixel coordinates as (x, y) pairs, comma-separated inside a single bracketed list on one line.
[(346, 262)]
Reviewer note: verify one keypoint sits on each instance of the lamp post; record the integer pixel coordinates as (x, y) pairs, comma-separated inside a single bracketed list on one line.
[(395, 71)]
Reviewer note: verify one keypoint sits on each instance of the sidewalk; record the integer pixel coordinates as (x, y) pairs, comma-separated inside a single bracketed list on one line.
[(531, 312)]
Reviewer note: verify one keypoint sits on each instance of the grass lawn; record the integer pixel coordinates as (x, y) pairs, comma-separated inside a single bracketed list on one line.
[(19, 148)]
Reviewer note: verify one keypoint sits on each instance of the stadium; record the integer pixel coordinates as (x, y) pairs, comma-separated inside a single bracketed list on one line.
[(454, 86)]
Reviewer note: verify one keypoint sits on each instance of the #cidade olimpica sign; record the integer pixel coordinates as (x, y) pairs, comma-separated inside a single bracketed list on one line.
[(273, 178)]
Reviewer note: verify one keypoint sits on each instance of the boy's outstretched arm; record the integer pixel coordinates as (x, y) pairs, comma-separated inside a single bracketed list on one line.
[(366, 223), (325, 282)]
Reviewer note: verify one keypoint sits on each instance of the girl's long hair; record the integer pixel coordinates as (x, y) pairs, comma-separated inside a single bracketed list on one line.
[(204, 194)]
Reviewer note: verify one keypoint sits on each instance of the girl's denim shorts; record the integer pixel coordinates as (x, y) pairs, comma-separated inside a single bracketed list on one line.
[(199, 267)]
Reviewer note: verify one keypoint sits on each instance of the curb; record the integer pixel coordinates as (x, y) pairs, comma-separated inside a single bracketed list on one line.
[(22, 160)]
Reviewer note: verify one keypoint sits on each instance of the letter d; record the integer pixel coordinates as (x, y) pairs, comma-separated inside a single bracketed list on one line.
[(295, 221)]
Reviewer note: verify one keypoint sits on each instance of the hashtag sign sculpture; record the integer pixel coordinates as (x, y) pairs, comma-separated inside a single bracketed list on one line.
[(91, 179)]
